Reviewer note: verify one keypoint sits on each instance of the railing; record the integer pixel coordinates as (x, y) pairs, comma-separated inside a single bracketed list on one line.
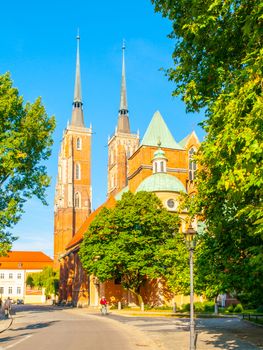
[(252, 316)]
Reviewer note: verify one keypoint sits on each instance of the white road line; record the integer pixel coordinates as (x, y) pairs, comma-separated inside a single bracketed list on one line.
[(20, 341)]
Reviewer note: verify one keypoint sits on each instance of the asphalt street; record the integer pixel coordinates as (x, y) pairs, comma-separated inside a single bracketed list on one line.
[(47, 327)]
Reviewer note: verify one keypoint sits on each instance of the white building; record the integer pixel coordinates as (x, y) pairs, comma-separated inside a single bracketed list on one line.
[(14, 269)]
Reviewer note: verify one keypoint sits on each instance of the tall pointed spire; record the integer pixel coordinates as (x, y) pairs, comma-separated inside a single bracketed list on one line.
[(77, 113), (123, 120)]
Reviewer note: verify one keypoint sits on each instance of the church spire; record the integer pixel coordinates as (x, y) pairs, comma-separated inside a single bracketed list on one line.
[(123, 119), (77, 113)]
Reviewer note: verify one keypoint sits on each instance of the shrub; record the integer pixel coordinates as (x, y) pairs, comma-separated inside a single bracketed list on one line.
[(260, 309), (238, 308), (209, 306), (198, 306), (185, 307), (230, 308)]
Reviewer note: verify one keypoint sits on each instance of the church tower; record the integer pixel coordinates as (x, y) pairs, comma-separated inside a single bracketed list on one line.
[(73, 187), (122, 144)]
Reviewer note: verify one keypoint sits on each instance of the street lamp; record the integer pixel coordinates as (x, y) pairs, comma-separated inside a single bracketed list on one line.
[(190, 242)]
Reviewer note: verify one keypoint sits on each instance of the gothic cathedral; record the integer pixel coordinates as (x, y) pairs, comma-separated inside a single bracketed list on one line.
[(157, 164)]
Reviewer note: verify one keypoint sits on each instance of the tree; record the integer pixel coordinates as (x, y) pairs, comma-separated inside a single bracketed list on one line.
[(25, 142), (131, 242), (218, 66), (48, 278)]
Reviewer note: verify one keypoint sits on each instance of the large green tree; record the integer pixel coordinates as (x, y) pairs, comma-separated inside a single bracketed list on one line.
[(25, 142), (136, 239), (218, 60), (48, 278)]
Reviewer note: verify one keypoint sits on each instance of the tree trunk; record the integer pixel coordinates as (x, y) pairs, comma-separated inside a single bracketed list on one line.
[(138, 295), (216, 306)]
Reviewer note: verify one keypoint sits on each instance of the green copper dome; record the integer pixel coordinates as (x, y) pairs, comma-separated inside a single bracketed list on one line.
[(161, 182), (159, 154)]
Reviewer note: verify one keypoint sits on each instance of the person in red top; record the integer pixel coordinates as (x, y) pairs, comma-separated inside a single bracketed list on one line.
[(103, 303)]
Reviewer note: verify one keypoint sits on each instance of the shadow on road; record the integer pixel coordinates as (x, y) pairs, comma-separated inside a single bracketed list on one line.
[(27, 328)]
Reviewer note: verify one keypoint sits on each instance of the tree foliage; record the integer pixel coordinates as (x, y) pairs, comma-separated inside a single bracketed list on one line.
[(25, 142), (218, 60), (132, 241), (47, 278)]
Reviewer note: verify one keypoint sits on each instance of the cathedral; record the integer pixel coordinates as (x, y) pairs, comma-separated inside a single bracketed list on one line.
[(156, 163)]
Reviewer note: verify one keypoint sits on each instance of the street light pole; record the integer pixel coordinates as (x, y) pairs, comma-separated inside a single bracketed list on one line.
[(189, 236), (192, 322)]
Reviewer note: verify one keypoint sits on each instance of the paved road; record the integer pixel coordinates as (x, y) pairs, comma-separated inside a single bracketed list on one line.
[(42, 328), (52, 328)]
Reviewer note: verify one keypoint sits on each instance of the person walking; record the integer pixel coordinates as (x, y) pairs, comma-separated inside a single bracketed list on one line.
[(7, 307)]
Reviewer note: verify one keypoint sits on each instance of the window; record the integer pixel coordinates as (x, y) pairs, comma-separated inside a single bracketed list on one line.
[(1, 290), (117, 280), (77, 171), (78, 143), (10, 290), (18, 290), (192, 165), (77, 200), (155, 167), (19, 276), (2, 275), (171, 203), (10, 276), (161, 167)]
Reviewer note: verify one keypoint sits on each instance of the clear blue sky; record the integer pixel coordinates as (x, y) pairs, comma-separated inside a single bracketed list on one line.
[(38, 47)]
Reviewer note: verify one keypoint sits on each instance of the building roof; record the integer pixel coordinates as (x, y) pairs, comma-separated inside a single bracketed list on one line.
[(110, 203), (157, 132), (25, 260), (184, 141), (161, 182)]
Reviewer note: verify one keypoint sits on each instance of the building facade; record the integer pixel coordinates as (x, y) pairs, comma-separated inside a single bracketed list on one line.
[(157, 164), (14, 269)]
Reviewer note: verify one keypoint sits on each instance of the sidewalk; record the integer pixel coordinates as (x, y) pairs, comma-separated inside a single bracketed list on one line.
[(169, 331)]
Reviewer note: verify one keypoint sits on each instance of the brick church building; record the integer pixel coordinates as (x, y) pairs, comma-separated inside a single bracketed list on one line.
[(156, 163)]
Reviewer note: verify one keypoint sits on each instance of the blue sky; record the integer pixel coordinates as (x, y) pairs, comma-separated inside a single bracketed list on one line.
[(38, 47)]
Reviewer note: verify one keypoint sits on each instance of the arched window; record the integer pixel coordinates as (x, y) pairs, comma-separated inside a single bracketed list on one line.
[(77, 200), (78, 143), (161, 167), (78, 171), (192, 164)]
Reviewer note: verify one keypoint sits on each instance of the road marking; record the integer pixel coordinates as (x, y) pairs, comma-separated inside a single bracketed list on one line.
[(20, 341)]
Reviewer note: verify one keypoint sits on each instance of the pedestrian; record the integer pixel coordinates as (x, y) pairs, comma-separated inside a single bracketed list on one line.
[(7, 307)]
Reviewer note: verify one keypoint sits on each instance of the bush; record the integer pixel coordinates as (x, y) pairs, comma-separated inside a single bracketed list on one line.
[(230, 308), (260, 309), (199, 307), (238, 308), (209, 306), (185, 307)]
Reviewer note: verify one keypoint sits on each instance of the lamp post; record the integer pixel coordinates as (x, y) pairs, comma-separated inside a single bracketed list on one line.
[(190, 242)]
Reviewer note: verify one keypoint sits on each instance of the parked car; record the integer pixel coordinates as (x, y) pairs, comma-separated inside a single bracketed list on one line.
[(20, 301)]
